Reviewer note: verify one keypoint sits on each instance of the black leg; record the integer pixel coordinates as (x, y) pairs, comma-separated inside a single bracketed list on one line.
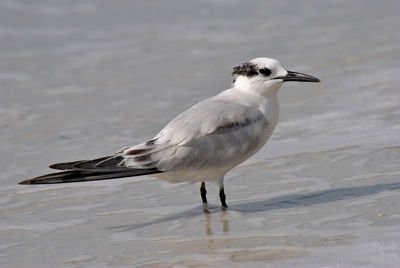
[(203, 193), (222, 197)]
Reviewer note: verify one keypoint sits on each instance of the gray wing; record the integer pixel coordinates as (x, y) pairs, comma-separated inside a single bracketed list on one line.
[(104, 168), (220, 132), (213, 133)]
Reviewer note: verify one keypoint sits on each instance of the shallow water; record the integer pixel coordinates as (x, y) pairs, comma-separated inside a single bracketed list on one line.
[(83, 79)]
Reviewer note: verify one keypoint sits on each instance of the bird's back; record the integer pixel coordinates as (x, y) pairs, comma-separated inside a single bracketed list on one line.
[(210, 138)]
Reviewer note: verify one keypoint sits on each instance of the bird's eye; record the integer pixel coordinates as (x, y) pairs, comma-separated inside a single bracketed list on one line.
[(265, 71)]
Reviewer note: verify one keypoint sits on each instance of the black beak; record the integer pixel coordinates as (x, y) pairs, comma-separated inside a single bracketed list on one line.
[(299, 77)]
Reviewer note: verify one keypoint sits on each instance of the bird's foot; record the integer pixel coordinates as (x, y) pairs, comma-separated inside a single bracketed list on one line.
[(209, 209), (205, 208)]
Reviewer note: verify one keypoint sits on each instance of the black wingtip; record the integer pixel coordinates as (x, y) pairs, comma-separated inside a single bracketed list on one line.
[(41, 181), (82, 176), (59, 166), (65, 165), (25, 182)]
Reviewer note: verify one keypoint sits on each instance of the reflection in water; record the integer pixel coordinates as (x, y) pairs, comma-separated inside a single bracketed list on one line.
[(208, 223), (223, 218), (218, 242), (280, 202)]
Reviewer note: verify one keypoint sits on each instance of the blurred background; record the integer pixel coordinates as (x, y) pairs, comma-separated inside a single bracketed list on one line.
[(80, 79)]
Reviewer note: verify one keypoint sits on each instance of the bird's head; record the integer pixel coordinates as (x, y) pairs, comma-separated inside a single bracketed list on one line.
[(265, 76)]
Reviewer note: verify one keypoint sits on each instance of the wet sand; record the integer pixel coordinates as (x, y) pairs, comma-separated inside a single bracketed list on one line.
[(81, 80)]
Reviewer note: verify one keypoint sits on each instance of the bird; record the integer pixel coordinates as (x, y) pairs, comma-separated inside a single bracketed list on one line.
[(203, 143)]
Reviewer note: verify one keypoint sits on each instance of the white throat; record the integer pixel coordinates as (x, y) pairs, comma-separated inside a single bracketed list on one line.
[(257, 85)]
